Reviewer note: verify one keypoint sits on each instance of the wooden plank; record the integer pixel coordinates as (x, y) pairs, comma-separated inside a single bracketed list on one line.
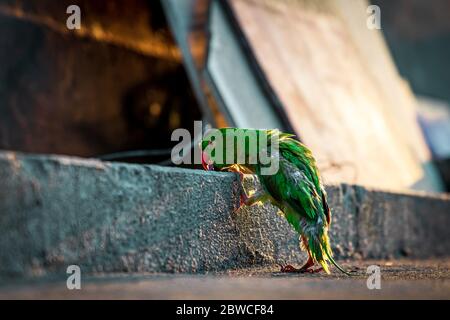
[(342, 94)]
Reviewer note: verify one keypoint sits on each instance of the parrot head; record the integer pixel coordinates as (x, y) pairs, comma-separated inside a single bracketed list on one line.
[(208, 147), (230, 147), (207, 163)]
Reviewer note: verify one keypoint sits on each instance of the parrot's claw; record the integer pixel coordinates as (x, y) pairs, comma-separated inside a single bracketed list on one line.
[(242, 200), (290, 269)]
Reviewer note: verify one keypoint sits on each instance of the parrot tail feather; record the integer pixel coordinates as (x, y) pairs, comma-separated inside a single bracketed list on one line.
[(336, 264), (321, 252)]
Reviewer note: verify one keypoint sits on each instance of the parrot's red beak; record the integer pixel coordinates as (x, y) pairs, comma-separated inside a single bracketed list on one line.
[(206, 162)]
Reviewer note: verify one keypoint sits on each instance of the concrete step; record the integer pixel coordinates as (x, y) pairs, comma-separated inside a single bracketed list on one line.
[(57, 211)]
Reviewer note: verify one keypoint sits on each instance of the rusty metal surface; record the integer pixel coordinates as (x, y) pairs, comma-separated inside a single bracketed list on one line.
[(134, 25), (62, 93)]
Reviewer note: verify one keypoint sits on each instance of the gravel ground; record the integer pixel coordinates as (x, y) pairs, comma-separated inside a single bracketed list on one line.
[(429, 279)]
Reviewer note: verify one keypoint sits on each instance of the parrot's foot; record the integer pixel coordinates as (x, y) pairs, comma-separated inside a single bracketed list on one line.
[(243, 198), (256, 197), (290, 269), (306, 268)]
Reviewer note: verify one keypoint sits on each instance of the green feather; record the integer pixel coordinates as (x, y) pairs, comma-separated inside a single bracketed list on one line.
[(296, 189)]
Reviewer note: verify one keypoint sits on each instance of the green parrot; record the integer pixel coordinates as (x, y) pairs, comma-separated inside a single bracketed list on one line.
[(294, 187)]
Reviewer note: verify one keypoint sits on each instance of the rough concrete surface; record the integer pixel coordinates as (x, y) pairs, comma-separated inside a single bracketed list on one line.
[(428, 279), (109, 217)]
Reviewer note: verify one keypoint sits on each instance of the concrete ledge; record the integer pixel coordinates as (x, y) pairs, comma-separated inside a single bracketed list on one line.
[(109, 217)]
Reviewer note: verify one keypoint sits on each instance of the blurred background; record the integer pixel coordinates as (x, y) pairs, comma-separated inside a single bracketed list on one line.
[(373, 105)]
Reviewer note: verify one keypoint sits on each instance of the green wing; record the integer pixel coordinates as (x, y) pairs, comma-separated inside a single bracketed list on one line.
[(302, 157), (291, 188), (297, 184)]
